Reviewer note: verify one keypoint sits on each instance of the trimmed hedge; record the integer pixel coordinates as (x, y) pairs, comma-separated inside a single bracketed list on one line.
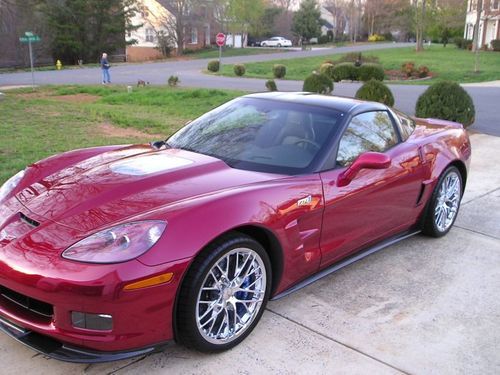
[(495, 44), (446, 100), (213, 66), (279, 71), (327, 70), (318, 83), (370, 71), (271, 85), (239, 69), (376, 91), (345, 71)]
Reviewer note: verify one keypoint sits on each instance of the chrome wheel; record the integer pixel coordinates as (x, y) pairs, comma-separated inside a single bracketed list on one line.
[(231, 296), (448, 200)]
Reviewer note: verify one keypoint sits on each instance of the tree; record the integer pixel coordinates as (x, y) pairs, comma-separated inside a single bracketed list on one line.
[(307, 20), (265, 26), (175, 23), (84, 29), (243, 14), (284, 4)]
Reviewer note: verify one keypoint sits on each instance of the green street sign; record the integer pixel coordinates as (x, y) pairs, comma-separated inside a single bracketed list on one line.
[(27, 39), (28, 33)]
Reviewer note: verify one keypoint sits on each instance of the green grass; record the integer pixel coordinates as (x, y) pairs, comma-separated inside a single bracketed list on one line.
[(447, 63), (36, 125), (229, 52)]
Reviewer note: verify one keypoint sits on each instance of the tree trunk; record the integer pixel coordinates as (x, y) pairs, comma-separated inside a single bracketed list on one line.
[(479, 10), (420, 26)]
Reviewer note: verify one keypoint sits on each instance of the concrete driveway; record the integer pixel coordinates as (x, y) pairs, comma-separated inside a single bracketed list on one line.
[(423, 306)]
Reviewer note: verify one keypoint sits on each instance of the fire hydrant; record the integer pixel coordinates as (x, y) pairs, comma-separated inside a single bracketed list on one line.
[(58, 64)]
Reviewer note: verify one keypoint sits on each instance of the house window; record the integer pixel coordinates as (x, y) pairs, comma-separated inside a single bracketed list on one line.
[(194, 35), (495, 4), (150, 35)]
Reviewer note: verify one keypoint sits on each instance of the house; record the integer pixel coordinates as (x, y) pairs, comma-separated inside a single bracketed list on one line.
[(157, 19), (489, 24)]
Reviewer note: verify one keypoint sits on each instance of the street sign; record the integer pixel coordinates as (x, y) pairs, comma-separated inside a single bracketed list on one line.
[(28, 39), (220, 39), (28, 33)]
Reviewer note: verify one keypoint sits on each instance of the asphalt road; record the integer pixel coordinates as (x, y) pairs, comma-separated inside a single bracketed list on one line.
[(486, 99)]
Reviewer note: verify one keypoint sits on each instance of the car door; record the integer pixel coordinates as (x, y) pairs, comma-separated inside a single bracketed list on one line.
[(376, 203)]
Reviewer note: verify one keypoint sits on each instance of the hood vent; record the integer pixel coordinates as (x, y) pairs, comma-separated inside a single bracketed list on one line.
[(28, 220)]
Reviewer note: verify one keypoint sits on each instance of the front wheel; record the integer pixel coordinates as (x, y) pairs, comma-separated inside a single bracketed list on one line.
[(443, 206), (224, 294)]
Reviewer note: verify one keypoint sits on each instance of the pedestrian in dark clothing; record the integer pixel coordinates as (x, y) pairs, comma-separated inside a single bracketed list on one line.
[(105, 69)]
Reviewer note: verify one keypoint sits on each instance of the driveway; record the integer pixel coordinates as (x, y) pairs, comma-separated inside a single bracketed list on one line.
[(421, 306), (189, 72)]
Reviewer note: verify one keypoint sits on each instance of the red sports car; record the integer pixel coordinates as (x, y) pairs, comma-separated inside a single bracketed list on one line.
[(110, 252)]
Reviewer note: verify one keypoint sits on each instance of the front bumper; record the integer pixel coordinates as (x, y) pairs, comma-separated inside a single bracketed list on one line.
[(64, 352)]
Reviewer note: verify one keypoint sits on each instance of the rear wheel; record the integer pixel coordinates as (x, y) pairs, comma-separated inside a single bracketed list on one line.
[(443, 207), (224, 294)]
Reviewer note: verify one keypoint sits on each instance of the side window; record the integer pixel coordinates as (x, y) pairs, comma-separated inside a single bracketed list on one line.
[(407, 125), (370, 131)]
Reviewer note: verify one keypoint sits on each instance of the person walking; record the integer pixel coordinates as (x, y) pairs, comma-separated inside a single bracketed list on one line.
[(105, 69)]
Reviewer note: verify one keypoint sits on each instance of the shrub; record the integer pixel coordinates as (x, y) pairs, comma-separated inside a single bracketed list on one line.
[(376, 91), (495, 44), (448, 101), (357, 56), (408, 68), (213, 66), (323, 39), (239, 69), (318, 83), (345, 71), (279, 71), (463, 43), (422, 71), (271, 85), (173, 81), (388, 36), (327, 70), (370, 71), (376, 38)]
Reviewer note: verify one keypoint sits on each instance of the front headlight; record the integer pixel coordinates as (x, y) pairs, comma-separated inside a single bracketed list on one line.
[(10, 184), (117, 244)]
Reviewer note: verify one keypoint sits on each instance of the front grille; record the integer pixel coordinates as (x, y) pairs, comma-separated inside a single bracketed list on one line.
[(31, 305)]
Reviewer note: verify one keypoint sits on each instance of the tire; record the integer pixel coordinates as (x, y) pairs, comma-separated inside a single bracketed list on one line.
[(279, 45), (263, 45), (211, 316), (442, 210)]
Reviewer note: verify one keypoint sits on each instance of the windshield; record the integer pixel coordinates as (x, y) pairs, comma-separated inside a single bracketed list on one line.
[(261, 135)]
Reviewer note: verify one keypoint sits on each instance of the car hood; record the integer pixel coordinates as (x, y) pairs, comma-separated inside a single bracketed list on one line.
[(127, 182)]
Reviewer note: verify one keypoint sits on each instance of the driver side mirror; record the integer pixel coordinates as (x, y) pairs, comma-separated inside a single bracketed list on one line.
[(367, 160)]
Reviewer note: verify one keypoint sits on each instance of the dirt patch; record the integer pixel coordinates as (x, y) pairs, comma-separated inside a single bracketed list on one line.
[(109, 130), (77, 98)]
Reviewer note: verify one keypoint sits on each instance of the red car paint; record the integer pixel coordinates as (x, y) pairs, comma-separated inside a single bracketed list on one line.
[(76, 194)]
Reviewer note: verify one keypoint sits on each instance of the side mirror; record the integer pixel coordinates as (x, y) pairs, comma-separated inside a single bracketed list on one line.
[(367, 160)]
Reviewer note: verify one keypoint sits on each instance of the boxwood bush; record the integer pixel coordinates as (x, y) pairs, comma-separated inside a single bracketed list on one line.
[(370, 71), (239, 69), (345, 71), (448, 101), (495, 44), (213, 66), (279, 71), (271, 85), (327, 69), (318, 83), (376, 91)]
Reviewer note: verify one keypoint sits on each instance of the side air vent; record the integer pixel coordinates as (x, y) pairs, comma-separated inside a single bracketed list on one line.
[(28, 220)]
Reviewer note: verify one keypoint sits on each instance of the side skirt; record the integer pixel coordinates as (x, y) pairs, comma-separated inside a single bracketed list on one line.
[(346, 262)]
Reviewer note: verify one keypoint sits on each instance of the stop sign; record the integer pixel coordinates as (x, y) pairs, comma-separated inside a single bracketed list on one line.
[(220, 39)]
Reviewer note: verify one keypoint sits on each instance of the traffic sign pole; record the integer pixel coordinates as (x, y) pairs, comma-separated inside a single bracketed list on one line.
[(220, 39), (31, 63)]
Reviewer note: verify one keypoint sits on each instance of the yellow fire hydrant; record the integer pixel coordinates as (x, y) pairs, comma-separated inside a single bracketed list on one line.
[(58, 64)]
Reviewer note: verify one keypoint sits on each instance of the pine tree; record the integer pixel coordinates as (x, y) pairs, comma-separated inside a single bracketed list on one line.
[(307, 20)]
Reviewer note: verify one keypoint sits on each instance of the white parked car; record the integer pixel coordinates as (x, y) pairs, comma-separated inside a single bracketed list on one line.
[(276, 41)]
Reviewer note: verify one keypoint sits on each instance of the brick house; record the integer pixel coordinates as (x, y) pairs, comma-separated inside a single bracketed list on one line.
[(489, 25), (156, 16)]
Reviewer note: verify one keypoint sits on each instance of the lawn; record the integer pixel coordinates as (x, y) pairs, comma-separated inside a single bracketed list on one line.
[(447, 63), (54, 119)]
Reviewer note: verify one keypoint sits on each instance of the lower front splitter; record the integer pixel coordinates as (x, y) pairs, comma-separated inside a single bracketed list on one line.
[(68, 353)]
